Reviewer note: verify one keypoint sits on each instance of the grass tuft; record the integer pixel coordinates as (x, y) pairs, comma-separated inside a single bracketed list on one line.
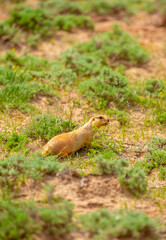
[(121, 223)]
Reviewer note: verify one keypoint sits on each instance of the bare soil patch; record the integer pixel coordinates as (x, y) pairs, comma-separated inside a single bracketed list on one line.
[(91, 192)]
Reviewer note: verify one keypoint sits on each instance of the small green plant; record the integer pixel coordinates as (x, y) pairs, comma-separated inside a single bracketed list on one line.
[(18, 89), (110, 166), (18, 95), (16, 1), (29, 68), (20, 220), (121, 116), (39, 23), (134, 179), (46, 126), (145, 165), (162, 173), (130, 224), (155, 156), (68, 22), (109, 86), (61, 7), (15, 169), (82, 65), (161, 118), (34, 19), (15, 221), (115, 46), (154, 86), (115, 7), (13, 141)]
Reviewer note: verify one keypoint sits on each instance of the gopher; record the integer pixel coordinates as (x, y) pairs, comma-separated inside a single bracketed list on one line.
[(70, 142)]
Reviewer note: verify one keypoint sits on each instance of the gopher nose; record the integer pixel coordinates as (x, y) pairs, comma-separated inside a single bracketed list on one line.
[(108, 119)]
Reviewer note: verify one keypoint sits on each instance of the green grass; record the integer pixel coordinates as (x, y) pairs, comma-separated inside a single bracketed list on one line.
[(42, 127), (162, 173), (46, 126), (82, 65), (16, 169), (55, 7), (17, 95), (133, 179), (99, 57), (24, 77), (18, 88), (106, 50), (106, 7), (52, 73), (154, 87), (13, 141), (161, 118), (121, 116), (152, 95), (109, 87), (109, 166), (69, 22), (128, 224), (39, 20), (25, 220), (155, 156), (115, 46), (33, 24)]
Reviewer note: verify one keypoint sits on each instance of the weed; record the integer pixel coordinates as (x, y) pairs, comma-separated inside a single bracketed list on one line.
[(32, 40), (154, 87), (15, 1), (106, 7), (38, 23), (36, 20), (54, 73), (21, 220), (18, 88), (115, 46), (155, 156), (161, 117), (121, 116), (110, 166), (82, 65), (13, 142), (162, 173), (46, 126), (68, 22), (108, 87), (121, 223), (159, 192), (61, 7), (15, 222), (134, 179), (15, 169), (17, 95), (27, 62)]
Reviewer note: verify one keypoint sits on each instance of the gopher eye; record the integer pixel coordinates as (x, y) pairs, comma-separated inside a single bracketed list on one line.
[(100, 117)]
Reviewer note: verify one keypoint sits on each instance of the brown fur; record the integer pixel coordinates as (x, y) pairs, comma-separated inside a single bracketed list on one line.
[(66, 143)]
